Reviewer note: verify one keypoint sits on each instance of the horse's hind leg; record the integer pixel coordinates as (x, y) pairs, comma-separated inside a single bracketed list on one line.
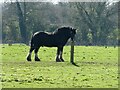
[(61, 51), (29, 55), (36, 56)]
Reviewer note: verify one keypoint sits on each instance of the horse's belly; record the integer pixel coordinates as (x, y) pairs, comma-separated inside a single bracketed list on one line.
[(50, 44)]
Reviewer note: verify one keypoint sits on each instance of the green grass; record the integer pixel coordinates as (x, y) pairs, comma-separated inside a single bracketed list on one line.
[(98, 68)]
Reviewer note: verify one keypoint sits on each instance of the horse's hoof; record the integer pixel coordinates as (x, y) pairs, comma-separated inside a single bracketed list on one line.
[(37, 59), (58, 60), (62, 60), (28, 59)]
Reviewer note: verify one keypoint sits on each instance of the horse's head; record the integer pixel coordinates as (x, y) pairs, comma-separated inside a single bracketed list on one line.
[(72, 33), (66, 31)]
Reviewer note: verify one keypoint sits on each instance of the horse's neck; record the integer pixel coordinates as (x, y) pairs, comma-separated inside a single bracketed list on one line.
[(61, 36)]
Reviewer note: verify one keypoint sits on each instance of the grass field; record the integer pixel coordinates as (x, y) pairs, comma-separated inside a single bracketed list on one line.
[(98, 68)]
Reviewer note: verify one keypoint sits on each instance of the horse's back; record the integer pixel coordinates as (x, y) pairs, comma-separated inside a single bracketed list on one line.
[(41, 34), (44, 39)]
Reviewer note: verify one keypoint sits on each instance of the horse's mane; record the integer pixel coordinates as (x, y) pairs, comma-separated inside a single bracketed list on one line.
[(61, 29)]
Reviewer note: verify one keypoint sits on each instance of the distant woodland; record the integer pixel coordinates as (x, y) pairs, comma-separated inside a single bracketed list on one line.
[(96, 22)]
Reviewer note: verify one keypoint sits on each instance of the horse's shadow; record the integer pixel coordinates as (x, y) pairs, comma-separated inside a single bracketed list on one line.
[(73, 63), (53, 63)]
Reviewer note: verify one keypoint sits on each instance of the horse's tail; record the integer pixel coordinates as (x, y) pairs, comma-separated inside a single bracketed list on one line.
[(31, 42)]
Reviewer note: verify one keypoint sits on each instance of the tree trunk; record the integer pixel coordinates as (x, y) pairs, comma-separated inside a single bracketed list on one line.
[(22, 25), (72, 52)]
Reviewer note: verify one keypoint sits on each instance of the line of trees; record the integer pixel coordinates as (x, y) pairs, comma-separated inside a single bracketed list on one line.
[(0, 24), (96, 22)]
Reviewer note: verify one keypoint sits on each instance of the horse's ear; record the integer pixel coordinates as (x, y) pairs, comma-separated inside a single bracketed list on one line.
[(74, 30)]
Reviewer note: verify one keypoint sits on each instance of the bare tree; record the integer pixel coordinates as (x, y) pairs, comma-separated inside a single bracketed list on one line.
[(22, 21)]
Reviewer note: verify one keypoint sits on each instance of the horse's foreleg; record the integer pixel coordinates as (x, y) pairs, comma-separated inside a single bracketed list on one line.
[(61, 51), (36, 56), (29, 55)]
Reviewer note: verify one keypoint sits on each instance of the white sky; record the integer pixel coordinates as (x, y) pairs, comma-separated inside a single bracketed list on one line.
[(56, 1), (1, 1)]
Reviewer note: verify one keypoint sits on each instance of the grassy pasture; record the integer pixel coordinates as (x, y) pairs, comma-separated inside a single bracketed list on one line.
[(98, 68)]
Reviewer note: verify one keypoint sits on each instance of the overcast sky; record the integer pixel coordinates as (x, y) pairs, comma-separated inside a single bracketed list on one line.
[(56, 1)]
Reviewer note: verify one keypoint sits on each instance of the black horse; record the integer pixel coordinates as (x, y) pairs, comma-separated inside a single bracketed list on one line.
[(56, 39)]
